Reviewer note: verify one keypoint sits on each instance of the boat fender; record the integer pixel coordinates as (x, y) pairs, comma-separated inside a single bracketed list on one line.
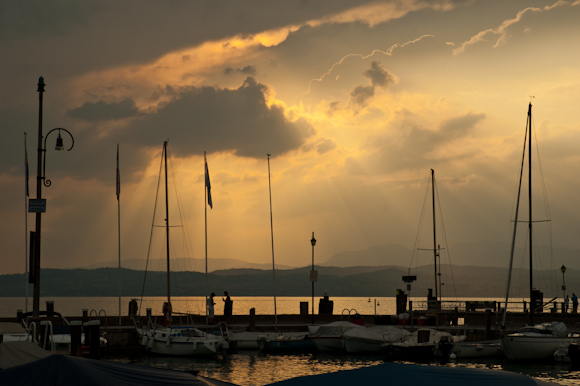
[(452, 356), (168, 340), (150, 343), (194, 345), (144, 340)]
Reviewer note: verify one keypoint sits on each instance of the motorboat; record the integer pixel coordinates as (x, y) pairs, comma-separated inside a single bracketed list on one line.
[(422, 344), (477, 349), (329, 337), (369, 340), (540, 341), (251, 340), (286, 344)]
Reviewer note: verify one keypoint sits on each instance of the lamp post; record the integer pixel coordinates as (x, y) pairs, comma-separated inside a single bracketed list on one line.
[(563, 269), (38, 206), (313, 274)]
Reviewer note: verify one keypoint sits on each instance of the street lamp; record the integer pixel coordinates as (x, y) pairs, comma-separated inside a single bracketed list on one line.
[(38, 205), (563, 269), (313, 274)]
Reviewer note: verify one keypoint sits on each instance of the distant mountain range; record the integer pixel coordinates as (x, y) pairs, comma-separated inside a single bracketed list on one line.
[(379, 281), (481, 254), (183, 264)]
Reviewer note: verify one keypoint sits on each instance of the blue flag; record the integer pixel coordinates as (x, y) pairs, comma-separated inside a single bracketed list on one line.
[(208, 186)]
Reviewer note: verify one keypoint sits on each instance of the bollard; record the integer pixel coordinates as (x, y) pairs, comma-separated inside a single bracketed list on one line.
[(133, 307), (49, 308), (148, 310), (75, 338), (92, 337), (252, 325), (488, 325), (85, 315), (19, 315)]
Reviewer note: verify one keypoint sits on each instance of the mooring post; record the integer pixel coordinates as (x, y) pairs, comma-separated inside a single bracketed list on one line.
[(75, 338)]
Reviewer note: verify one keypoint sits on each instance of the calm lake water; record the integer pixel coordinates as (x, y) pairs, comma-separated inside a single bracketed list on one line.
[(251, 368), (264, 305)]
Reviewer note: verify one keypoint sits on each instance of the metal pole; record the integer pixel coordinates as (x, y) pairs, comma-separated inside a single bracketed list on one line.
[(167, 228), (36, 263), (272, 233), (205, 207), (532, 303), (312, 279), (26, 225), (119, 226), (435, 249)]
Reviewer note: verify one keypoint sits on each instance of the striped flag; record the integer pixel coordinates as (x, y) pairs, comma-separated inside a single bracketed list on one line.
[(208, 185), (118, 175)]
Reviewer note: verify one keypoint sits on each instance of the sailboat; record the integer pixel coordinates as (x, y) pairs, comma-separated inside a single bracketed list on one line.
[(534, 341), (176, 340)]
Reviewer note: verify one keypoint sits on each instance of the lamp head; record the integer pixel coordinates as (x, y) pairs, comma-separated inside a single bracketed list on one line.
[(59, 145), (563, 269)]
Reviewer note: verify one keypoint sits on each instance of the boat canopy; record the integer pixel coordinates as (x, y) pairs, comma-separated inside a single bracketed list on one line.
[(61, 370)]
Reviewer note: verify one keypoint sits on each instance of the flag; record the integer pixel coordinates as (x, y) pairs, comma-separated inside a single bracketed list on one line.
[(118, 175), (26, 167), (208, 185)]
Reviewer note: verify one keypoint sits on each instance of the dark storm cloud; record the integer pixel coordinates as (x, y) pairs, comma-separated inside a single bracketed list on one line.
[(247, 70), (217, 119), (410, 146), (379, 75), (361, 94), (104, 111)]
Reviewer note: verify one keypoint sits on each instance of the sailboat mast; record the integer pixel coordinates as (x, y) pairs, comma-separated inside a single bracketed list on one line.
[(532, 306), (435, 248), (167, 225), (272, 233)]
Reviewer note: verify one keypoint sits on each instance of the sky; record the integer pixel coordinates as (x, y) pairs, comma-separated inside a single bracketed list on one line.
[(355, 101)]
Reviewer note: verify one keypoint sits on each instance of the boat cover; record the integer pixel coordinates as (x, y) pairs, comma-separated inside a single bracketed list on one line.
[(382, 334), (61, 370), (410, 374), (17, 353), (332, 329)]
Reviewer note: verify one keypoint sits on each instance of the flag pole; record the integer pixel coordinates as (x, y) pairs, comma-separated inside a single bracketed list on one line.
[(272, 233), (119, 226), (26, 279), (205, 192)]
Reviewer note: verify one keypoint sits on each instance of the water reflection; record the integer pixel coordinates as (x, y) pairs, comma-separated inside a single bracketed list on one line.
[(252, 368)]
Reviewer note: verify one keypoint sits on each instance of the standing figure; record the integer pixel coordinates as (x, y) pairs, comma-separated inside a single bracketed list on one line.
[(566, 304), (574, 304), (210, 305), (227, 306)]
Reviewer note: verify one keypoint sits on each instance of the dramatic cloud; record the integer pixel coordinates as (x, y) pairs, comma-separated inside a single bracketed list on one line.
[(102, 111), (379, 75), (247, 70), (221, 120)]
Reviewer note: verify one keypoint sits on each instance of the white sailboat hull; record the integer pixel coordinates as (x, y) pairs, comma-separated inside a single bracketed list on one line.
[(531, 347), (182, 342)]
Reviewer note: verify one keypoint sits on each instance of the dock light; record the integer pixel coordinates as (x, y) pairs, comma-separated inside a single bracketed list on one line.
[(313, 274), (563, 269)]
